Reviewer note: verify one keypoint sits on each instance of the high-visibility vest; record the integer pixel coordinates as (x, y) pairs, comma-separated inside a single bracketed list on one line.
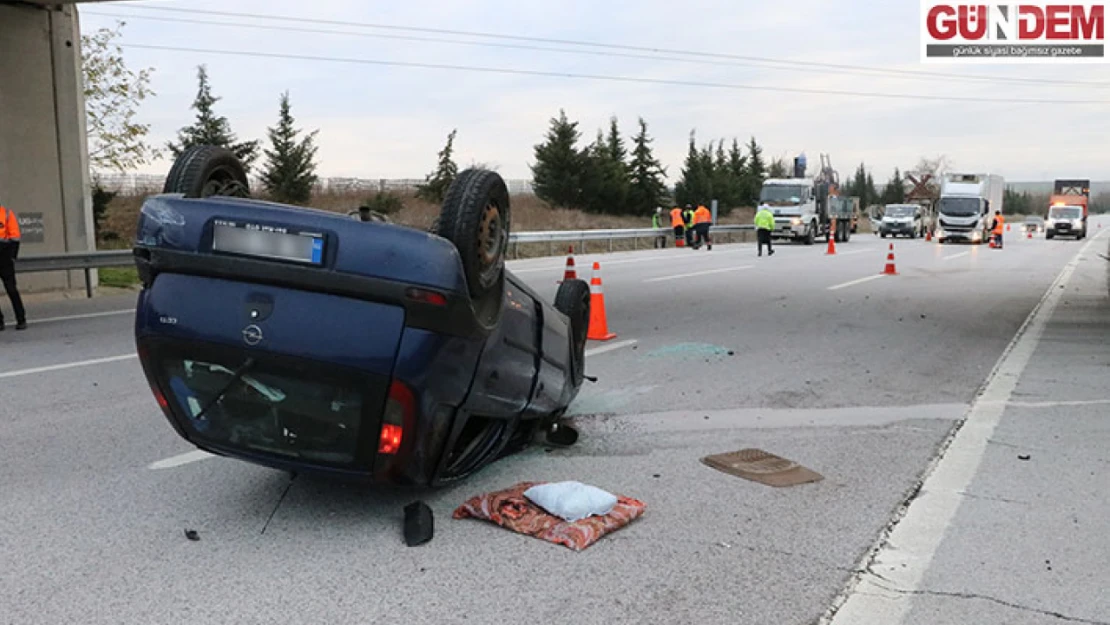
[(702, 215), (676, 217), (688, 217), (764, 220), (9, 225), (998, 221)]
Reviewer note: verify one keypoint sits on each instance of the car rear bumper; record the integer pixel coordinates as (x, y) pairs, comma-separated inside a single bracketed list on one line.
[(455, 317)]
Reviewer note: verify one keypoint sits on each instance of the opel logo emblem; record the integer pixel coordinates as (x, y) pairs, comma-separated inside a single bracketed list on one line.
[(252, 335)]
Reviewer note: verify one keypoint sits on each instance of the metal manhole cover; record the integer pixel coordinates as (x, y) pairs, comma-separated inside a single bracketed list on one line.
[(763, 467)]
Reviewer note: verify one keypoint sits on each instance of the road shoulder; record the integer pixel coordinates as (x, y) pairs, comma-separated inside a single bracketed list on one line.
[(1006, 518)]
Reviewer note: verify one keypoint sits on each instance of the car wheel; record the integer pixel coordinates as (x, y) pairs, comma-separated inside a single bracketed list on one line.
[(811, 234), (476, 217), (573, 300), (205, 171)]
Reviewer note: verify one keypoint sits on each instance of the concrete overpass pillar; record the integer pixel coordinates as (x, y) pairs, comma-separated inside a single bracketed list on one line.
[(44, 173)]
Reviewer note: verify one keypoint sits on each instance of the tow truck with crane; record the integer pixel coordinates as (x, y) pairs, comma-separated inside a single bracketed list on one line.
[(807, 208)]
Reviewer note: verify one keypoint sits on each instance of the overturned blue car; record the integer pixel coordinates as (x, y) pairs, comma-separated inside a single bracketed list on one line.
[(307, 341)]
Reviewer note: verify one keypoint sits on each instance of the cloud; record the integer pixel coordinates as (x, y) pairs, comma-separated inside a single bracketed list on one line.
[(386, 121)]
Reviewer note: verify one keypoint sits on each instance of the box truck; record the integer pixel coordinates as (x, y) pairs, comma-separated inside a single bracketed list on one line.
[(965, 208)]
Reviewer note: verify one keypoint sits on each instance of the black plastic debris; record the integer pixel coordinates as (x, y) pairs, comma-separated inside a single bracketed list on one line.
[(1023, 457), (192, 534), (419, 523)]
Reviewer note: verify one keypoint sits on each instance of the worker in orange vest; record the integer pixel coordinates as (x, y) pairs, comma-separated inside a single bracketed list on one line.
[(702, 220), (997, 230), (9, 251), (678, 224)]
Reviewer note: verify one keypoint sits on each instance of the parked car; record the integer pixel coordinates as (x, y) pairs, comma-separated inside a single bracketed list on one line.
[(1033, 224), (308, 341)]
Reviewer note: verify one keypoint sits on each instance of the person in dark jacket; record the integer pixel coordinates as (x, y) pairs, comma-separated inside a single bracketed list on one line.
[(9, 252)]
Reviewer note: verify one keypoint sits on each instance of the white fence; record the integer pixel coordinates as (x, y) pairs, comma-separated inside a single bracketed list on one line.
[(131, 183)]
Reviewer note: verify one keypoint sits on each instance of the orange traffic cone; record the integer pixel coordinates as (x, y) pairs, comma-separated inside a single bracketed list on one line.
[(599, 327), (832, 246), (1029, 234), (570, 273), (1007, 227), (889, 270), (928, 235)]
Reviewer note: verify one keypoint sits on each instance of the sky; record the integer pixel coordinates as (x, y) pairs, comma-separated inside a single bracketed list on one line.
[(388, 121)]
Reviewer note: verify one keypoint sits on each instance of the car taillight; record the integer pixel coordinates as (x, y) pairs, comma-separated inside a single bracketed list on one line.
[(160, 397), (400, 408), (426, 297)]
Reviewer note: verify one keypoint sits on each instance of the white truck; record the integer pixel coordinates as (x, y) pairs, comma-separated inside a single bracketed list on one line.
[(801, 204), (965, 209)]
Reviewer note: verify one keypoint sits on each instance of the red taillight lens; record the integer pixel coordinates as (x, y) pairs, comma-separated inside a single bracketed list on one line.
[(391, 439), (400, 408), (158, 395), (426, 297)]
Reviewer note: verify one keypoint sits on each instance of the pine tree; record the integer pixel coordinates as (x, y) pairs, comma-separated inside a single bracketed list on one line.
[(618, 176), (737, 173), (895, 190), (558, 171), (646, 188), (756, 172), (289, 173), (605, 176), (436, 183), (778, 169), (210, 129), (872, 193), (696, 182), (723, 190)]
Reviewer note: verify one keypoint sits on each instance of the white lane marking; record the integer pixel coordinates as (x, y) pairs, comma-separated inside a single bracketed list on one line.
[(844, 285), (110, 313), (955, 256), (850, 252), (1056, 404), (902, 558), (587, 264), (67, 365), (699, 273), (181, 459), (594, 351)]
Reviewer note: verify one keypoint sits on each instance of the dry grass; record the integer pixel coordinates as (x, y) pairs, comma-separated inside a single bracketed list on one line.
[(529, 214)]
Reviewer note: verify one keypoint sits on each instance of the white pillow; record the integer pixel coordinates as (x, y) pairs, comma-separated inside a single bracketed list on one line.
[(571, 501)]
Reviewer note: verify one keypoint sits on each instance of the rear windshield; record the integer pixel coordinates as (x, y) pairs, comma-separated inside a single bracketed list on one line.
[(290, 414)]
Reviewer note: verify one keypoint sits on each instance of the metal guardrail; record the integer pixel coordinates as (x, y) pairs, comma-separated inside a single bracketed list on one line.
[(87, 261), (84, 261)]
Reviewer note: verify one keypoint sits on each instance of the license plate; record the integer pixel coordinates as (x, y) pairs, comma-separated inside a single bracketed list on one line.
[(264, 241)]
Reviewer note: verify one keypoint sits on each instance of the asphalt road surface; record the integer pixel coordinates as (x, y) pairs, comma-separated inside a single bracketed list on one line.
[(818, 358)]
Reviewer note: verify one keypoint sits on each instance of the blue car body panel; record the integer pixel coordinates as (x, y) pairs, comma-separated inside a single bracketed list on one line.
[(340, 323)]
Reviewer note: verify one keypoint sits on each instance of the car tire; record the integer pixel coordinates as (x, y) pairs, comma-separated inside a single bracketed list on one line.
[(811, 234), (476, 217), (206, 171), (573, 300), (1048, 234)]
